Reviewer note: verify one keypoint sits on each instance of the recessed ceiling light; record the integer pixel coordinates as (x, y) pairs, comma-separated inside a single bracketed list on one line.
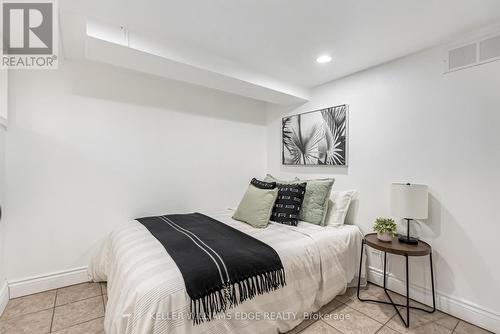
[(324, 59)]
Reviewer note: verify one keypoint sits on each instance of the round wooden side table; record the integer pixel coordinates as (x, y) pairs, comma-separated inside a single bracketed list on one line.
[(406, 250)]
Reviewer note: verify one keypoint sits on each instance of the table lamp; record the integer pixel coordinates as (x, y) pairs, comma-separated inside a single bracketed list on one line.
[(409, 201)]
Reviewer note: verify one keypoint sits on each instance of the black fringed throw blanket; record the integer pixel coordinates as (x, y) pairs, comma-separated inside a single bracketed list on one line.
[(221, 266)]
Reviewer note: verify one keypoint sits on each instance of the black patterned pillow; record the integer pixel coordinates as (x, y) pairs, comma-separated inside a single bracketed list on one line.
[(263, 185), (288, 203)]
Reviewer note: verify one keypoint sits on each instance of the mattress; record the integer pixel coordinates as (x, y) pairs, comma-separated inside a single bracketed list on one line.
[(146, 291)]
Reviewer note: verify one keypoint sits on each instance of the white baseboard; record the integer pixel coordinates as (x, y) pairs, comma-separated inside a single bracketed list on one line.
[(40, 283), (457, 307), (4, 296)]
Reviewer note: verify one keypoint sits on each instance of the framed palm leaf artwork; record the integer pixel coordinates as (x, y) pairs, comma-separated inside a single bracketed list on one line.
[(316, 138)]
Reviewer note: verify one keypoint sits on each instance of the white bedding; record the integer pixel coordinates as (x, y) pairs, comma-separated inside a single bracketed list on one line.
[(146, 292)]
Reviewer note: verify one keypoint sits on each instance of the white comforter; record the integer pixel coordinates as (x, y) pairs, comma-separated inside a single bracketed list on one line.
[(146, 292)]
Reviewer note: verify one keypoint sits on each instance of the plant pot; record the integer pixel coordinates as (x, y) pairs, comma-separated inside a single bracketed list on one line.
[(385, 236)]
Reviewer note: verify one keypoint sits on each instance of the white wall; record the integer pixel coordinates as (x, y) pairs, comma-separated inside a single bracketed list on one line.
[(2, 204), (3, 287), (90, 147), (3, 119), (409, 122), (3, 96)]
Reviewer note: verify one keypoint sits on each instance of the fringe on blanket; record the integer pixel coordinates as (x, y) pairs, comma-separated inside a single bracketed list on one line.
[(210, 305)]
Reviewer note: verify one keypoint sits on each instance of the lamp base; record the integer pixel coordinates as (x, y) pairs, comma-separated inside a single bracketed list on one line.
[(408, 240)]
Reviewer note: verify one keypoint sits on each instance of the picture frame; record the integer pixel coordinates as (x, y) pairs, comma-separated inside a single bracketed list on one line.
[(316, 138)]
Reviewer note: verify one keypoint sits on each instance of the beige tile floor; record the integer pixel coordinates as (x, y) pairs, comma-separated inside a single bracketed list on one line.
[(75, 309), (79, 309)]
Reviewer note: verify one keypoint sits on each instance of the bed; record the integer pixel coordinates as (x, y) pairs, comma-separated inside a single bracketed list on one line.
[(146, 291)]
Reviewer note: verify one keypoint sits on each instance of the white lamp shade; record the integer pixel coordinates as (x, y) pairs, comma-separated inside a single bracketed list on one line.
[(409, 200)]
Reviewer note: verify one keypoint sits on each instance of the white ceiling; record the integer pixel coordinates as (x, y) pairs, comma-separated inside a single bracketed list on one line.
[(282, 38)]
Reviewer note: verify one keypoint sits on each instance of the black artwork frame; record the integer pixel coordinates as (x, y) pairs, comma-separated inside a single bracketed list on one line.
[(316, 138)]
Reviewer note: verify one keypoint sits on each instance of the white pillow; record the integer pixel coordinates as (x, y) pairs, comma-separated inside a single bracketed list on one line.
[(338, 205)]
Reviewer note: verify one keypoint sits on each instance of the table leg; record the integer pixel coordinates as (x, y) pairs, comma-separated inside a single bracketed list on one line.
[(407, 324), (360, 266), (385, 266), (391, 302), (432, 284)]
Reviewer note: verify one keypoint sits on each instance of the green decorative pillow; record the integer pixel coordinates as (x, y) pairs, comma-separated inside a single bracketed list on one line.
[(256, 206), (270, 178), (315, 204)]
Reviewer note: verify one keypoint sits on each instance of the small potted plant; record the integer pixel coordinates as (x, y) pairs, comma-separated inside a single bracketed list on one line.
[(385, 228)]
